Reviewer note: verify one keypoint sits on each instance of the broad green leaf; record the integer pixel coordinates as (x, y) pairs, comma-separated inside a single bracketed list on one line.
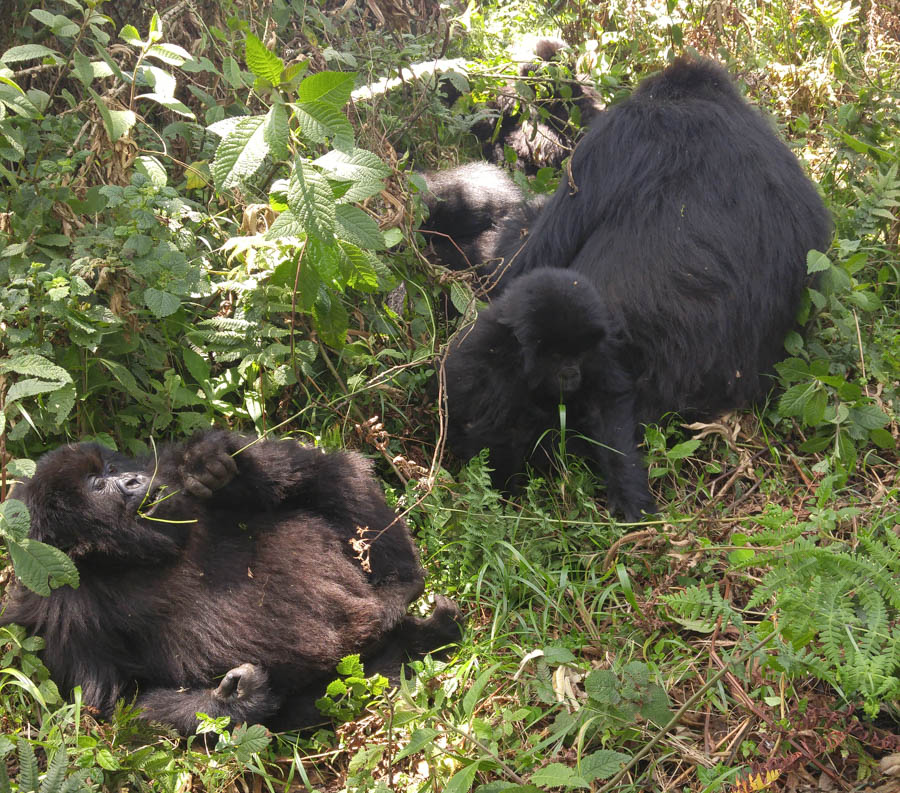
[(232, 72), (420, 738), (277, 133), (331, 88), (882, 439), (14, 519), (655, 705), (473, 695), (869, 417), (682, 450), (362, 273), (36, 365), (263, 63), (814, 409), (18, 102), (285, 225), (129, 34), (82, 68), (311, 200), (358, 227), (197, 365), (30, 387), (249, 740), (461, 781), (168, 102), (162, 304), (241, 153), (170, 54), (319, 122), (61, 403), (26, 52), (795, 398), (42, 567), (817, 262), (117, 122), (602, 764), (558, 775), (152, 169)]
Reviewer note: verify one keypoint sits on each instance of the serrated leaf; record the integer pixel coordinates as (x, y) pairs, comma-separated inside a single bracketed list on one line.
[(331, 88), (61, 403), (358, 227), (285, 225), (682, 450), (869, 417), (240, 153), (277, 132), (362, 265), (814, 409), (30, 387), (14, 519), (26, 52), (311, 201), (263, 63), (162, 304), (602, 764), (320, 123), (41, 567), (56, 771), (28, 767), (36, 365), (558, 775), (152, 168), (420, 738), (170, 54), (358, 166), (18, 102), (817, 262), (249, 740), (655, 705), (169, 102), (461, 781), (795, 398), (197, 365)]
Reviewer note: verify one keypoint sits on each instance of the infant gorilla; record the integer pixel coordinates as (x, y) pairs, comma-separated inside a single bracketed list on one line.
[(259, 564)]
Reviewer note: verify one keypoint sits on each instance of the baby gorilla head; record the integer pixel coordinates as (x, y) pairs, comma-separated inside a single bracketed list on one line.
[(560, 324)]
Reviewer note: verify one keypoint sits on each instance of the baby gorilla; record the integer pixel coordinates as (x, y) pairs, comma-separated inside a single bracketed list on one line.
[(259, 564), (549, 339)]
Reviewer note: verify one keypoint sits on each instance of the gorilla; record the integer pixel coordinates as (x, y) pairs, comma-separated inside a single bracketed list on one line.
[(227, 576), (475, 211), (662, 276), (543, 133)]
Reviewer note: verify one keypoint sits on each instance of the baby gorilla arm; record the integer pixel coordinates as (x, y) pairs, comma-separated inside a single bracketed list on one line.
[(243, 694)]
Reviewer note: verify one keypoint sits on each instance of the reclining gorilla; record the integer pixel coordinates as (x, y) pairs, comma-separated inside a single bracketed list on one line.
[(681, 231), (221, 579)]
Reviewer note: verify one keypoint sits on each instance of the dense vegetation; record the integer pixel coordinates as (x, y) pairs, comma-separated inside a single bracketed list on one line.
[(208, 217)]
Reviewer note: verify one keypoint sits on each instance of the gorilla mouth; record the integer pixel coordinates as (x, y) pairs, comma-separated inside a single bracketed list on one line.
[(151, 500)]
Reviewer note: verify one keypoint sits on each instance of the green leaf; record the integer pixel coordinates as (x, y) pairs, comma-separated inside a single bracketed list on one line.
[(311, 200), (56, 771), (26, 52), (420, 738), (14, 520), (240, 153), (682, 450), (655, 705), (558, 775), (868, 417), (197, 365), (30, 387), (18, 102), (117, 122), (277, 133), (170, 54), (364, 170), (107, 760), (249, 740), (36, 365), (814, 409), (28, 767), (473, 695), (358, 227), (461, 781), (795, 398), (882, 439), (602, 764), (169, 102), (41, 567), (130, 35), (153, 169), (331, 88), (162, 304), (263, 63), (232, 72), (319, 122), (817, 262)]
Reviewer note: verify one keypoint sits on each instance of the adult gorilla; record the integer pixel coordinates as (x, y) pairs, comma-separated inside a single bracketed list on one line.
[(683, 226), (229, 577)]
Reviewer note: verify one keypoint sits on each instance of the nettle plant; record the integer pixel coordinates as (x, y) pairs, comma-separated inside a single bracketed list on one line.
[(321, 243)]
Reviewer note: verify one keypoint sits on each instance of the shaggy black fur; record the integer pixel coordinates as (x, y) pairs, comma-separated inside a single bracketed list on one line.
[(469, 208), (691, 222), (207, 567), (542, 132)]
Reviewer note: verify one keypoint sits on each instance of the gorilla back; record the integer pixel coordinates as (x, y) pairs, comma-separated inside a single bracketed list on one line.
[(224, 577), (687, 212), (684, 222)]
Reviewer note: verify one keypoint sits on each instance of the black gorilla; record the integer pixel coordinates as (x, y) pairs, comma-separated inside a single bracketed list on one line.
[(476, 210), (683, 226), (543, 132), (230, 585)]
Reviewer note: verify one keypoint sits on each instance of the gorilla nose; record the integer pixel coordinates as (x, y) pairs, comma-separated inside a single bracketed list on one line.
[(569, 379), (131, 483)]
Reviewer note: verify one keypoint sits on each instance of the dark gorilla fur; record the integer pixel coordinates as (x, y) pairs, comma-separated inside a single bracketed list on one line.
[(221, 584), (474, 211), (541, 133), (686, 223)]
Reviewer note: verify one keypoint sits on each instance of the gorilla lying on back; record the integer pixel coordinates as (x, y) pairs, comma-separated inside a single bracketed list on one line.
[(683, 228), (226, 578)]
